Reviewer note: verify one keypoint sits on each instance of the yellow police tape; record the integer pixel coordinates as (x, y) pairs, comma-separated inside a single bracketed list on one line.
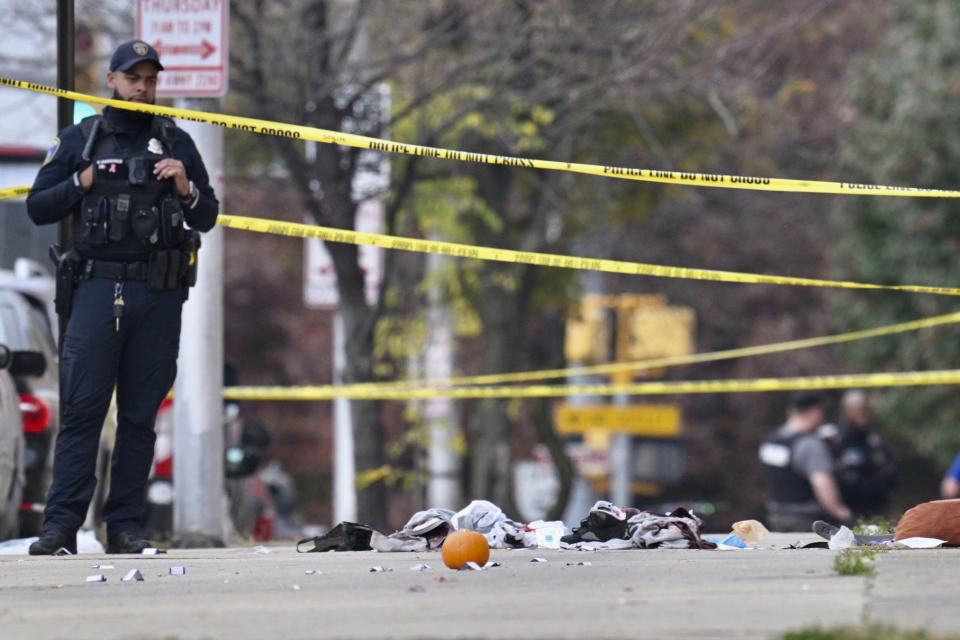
[(364, 479), (268, 127), (14, 192), (652, 363), (301, 230), (853, 381)]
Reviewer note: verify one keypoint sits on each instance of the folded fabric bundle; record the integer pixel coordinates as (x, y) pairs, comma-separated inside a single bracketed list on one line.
[(678, 529)]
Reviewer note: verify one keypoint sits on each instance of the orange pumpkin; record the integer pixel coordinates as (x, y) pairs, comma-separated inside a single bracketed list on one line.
[(462, 547)]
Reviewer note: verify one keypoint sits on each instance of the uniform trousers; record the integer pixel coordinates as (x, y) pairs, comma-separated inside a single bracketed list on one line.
[(140, 360)]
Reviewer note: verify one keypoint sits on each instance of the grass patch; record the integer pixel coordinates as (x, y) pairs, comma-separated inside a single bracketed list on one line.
[(873, 632), (855, 562)]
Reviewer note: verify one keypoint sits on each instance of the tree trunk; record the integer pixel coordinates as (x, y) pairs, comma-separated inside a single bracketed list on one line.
[(359, 321), (490, 454)]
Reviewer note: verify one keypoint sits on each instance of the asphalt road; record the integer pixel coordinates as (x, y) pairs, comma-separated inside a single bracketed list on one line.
[(238, 593)]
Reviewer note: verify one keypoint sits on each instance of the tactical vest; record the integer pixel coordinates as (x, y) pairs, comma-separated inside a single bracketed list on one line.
[(785, 484), (128, 214)]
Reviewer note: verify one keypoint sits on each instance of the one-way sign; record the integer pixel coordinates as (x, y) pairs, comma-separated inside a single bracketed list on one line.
[(191, 38), (205, 49)]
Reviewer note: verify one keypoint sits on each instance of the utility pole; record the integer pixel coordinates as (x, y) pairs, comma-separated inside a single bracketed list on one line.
[(582, 494), (65, 80), (344, 466), (443, 463), (198, 513), (178, 30)]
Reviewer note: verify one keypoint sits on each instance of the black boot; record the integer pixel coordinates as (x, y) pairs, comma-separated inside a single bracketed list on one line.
[(54, 543), (126, 542)]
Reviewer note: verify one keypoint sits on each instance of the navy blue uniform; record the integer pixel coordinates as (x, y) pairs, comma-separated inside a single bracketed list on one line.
[(139, 358), (865, 470)]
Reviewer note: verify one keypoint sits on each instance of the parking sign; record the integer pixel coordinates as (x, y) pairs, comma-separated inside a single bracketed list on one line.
[(191, 37)]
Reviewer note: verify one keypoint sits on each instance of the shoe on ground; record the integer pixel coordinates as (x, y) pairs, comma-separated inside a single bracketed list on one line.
[(346, 536), (54, 543), (599, 526), (327, 542), (127, 542), (824, 529)]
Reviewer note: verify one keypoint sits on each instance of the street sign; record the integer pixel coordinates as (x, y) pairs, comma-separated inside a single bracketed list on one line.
[(320, 278), (649, 420), (627, 327), (656, 332), (191, 38)]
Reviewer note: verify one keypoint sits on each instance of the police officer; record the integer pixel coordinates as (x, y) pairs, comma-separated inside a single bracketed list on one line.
[(131, 180), (865, 469), (799, 468)]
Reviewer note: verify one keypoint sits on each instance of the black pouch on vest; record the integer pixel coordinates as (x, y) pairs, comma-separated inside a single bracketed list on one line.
[(163, 270), (144, 223), (171, 222), (157, 268), (173, 269), (95, 214), (120, 220)]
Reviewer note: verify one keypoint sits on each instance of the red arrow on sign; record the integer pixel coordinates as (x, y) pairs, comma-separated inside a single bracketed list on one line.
[(204, 49)]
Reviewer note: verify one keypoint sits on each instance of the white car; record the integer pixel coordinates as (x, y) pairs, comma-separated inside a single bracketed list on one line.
[(27, 322), (12, 476)]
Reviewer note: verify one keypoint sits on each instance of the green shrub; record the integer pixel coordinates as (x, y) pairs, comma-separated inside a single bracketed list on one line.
[(855, 562)]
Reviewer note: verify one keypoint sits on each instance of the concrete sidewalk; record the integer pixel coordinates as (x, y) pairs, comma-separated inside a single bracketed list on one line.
[(237, 593)]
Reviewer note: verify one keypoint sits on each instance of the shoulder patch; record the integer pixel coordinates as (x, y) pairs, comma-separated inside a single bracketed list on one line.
[(52, 151)]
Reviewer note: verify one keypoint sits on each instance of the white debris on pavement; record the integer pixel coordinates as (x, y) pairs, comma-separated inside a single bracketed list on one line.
[(98, 577), (178, 571), (921, 543), (842, 539), (133, 575)]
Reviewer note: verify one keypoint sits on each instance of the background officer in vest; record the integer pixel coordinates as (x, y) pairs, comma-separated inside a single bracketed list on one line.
[(864, 467), (799, 468), (130, 180)]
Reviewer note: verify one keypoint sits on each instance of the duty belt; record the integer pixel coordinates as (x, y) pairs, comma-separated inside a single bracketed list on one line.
[(136, 271)]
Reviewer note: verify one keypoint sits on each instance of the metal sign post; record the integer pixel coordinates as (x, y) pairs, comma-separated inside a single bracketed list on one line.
[(65, 80), (191, 38)]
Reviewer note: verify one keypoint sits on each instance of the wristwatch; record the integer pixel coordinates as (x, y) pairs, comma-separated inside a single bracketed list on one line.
[(191, 194)]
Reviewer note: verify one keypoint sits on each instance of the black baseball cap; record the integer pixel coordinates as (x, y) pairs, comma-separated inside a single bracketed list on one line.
[(805, 400), (130, 53)]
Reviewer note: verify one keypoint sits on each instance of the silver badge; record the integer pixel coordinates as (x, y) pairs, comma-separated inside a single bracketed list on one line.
[(154, 146)]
